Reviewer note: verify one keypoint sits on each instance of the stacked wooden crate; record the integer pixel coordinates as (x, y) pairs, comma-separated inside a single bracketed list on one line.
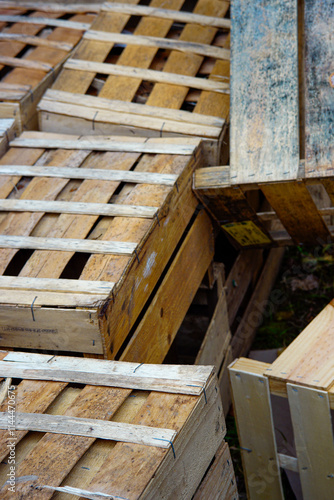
[(137, 431), (84, 275), (281, 127), (155, 70), (36, 38), (304, 374)]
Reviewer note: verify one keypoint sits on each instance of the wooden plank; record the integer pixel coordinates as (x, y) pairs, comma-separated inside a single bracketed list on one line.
[(48, 284), (150, 344), (75, 207), (319, 83), (302, 220), (74, 8), (287, 462), (264, 97), (161, 43), (24, 63), (310, 358), (181, 17), (67, 245), (58, 327), (219, 482), (133, 108), (88, 427), (251, 400), (45, 21), (178, 146), (35, 40), (147, 75), (163, 378), (314, 440), (89, 173)]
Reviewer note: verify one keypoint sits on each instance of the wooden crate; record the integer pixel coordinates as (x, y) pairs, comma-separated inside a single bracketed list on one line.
[(224, 316), (96, 239), (154, 70), (303, 374), (32, 53), (281, 128), (137, 431)]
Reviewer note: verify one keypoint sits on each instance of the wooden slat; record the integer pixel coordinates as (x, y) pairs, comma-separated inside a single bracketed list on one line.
[(89, 173), (114, 431), (58, 207), (161, 43), (19, 283), (254, 418), (302, 219), (182, 17), (35, 40), (264, 91), (24, 63), (45, 21), (319, 83), (133, 108), (74, 8), (159, 146), (310, 358), (314, 440), (163, 378), (67, 245), (147, 75)]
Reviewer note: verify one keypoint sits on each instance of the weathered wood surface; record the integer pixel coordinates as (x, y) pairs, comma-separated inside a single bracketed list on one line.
[(264, 91), (85, 465), (314, 440), (254, 417), (319, 83), (309, 359)]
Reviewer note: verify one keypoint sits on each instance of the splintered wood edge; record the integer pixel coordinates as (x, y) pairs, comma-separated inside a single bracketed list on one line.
[(190, 380), (89, 427)]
